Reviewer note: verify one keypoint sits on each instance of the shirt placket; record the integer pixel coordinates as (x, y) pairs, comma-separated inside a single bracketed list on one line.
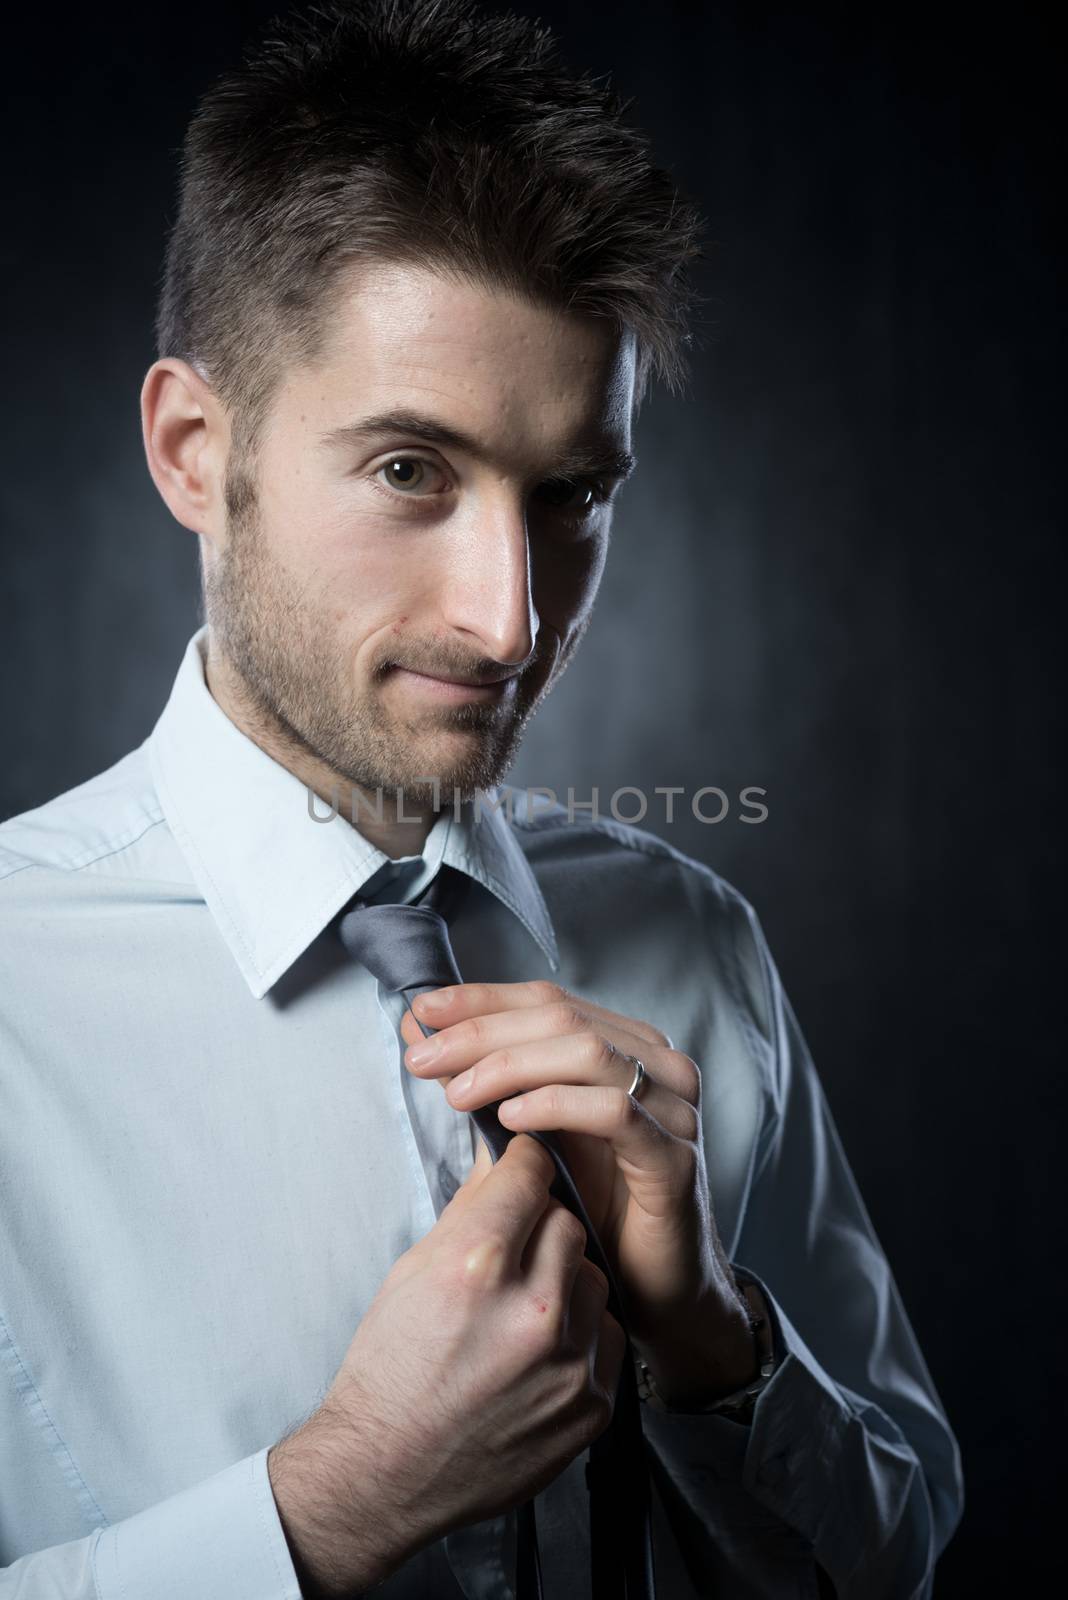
[(440, 1145)]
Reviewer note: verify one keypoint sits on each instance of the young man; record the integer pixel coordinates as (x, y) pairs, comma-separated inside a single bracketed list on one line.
[(272, 1324)]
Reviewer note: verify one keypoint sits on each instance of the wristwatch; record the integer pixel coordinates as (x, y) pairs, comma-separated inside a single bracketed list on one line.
[(737, 1406)]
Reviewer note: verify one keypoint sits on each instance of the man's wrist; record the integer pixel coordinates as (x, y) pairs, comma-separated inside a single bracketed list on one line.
[(338, 1543), (727, 1369)]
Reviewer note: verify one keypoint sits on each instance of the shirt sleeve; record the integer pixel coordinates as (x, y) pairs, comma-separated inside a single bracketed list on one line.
[(222, 1539), (849, 1468)]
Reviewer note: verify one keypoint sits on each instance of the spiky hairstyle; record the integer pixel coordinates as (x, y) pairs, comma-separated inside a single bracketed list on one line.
[(421, 131)]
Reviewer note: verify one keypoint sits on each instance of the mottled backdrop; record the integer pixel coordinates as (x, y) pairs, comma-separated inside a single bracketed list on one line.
[(835, 576)]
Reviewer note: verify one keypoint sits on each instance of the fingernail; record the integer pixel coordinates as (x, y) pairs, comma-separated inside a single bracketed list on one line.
[(418, 1055), (434, 1000)]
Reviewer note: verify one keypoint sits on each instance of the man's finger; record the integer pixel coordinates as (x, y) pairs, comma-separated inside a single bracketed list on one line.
[(505, 1201), (482, 1164)]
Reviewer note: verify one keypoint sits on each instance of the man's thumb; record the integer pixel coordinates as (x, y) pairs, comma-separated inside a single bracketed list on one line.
[(482, 1164)]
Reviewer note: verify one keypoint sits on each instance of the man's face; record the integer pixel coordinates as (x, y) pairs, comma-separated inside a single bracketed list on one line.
[(361, 568)]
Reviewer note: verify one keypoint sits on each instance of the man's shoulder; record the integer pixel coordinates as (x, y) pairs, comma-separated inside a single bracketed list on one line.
[(87, 824), (599, 874), (580, 842)]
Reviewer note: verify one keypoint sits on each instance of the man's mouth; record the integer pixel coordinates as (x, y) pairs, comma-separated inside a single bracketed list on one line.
[(455, 689)]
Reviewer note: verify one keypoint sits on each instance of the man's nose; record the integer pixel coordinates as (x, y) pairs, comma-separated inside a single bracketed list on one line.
[(487, 591)]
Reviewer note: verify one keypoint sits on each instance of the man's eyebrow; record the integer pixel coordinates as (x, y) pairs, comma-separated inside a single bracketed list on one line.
[(601, 460)]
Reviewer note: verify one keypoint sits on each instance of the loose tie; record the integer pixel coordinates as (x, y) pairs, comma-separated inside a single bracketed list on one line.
[(407, 948)]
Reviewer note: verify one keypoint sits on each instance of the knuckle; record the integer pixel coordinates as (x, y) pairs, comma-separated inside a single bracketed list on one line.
[(686, 1159), (566, 1017), (578, 1383), (573, 1231), (597, 1050), (689, 1122), (532, 1188), (474, 1030), (545, 1171), (625, 1108), (597, 1279), (474, 1266), (689, 1076), (502, 1060), (547, 993), (549, 1099)]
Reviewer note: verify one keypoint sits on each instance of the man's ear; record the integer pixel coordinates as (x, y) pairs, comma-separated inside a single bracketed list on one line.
[(186, 435)]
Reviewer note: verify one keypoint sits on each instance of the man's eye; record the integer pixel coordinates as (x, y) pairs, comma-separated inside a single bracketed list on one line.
[(568, 494), (409, 474)]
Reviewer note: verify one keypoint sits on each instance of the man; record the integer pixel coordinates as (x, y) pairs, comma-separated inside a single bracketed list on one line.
[(272, 1325)]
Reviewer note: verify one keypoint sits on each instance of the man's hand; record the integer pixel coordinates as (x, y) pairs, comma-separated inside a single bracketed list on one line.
[(563, 1064), (485, 1363)]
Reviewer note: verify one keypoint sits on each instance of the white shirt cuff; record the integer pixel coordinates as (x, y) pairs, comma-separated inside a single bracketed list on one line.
[(222, 1539)]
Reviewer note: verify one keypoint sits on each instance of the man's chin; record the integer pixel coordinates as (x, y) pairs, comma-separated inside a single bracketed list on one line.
[(454, 783), (441, 783), (461, 759), (408, 799)]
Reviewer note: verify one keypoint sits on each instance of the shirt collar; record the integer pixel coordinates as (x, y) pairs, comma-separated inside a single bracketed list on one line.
[(271, 875)]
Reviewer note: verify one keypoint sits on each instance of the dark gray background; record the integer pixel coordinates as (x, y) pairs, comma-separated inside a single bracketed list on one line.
[(836, 576)]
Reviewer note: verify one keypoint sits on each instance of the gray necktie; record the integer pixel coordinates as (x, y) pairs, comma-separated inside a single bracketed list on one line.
[(407, 948)]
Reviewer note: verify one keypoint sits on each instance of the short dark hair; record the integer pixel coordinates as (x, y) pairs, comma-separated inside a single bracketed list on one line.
[(422, 131)]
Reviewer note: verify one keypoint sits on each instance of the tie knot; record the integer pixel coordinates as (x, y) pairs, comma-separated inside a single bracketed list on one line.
[(404, 946)]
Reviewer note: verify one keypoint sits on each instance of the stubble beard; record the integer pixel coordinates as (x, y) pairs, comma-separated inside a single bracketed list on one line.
[(296, 683)]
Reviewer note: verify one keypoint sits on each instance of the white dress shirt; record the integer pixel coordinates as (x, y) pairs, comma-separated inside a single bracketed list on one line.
[(211, 1153)]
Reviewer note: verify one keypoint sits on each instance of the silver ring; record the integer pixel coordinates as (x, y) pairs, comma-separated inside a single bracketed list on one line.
[(639, 1075)]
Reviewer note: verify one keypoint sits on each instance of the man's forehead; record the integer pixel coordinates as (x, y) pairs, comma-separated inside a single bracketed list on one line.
[(404, 339), (402, 303)]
